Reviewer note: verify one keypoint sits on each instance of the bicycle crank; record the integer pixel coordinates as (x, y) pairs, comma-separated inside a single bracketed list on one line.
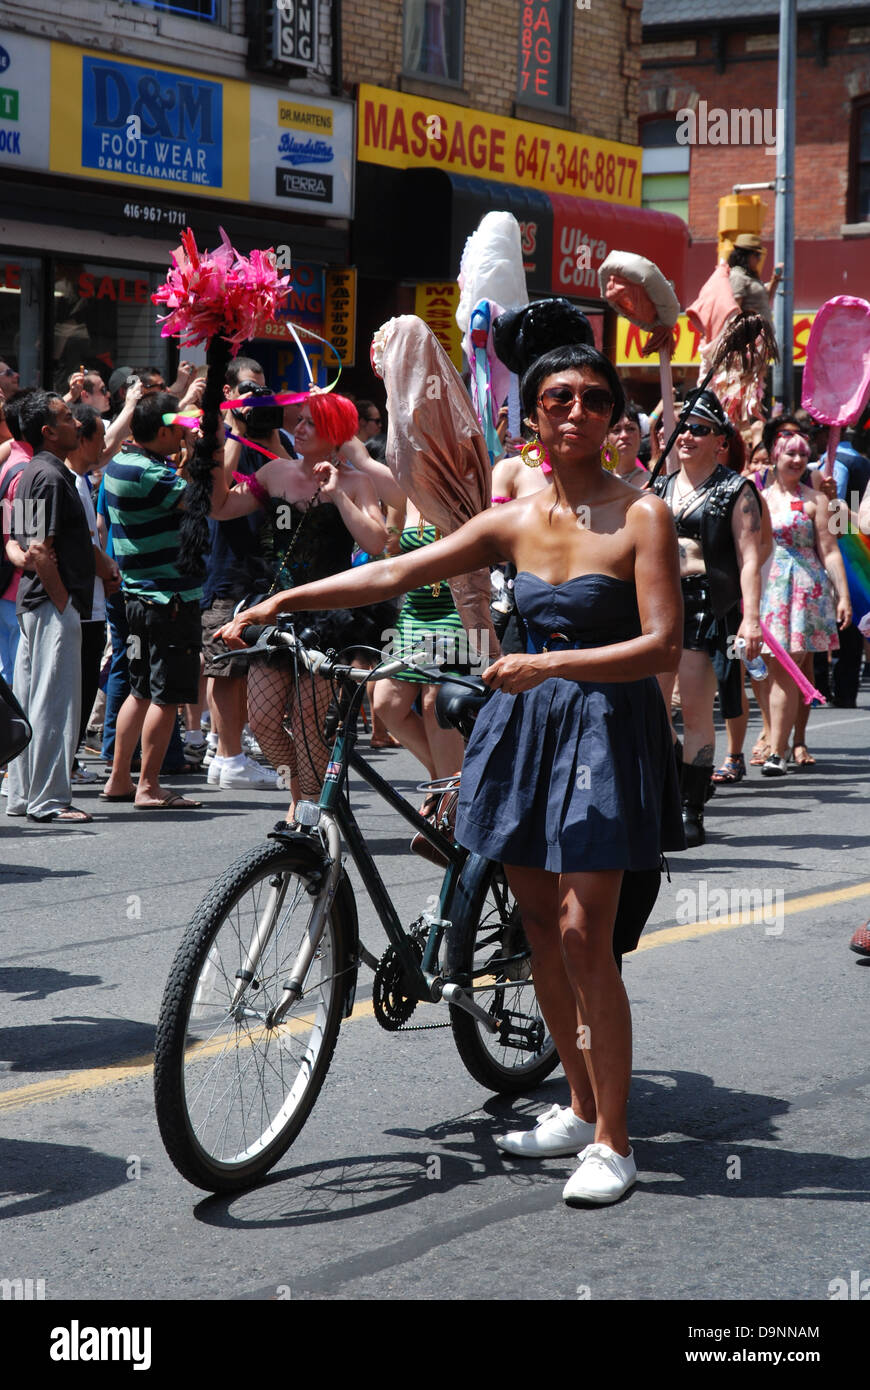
[(392, 1004)]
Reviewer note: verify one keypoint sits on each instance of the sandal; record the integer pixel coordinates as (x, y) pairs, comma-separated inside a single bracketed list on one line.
[(71, 815), (732, 770), (760, 753), (801, 756)]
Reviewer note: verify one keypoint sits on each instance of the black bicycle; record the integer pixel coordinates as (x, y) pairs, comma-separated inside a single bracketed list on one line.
[(267, 968)]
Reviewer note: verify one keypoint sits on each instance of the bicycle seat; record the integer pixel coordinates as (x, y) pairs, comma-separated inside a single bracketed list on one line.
[(457, 706)]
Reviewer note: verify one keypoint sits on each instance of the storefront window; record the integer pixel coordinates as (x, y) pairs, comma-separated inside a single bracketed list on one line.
[(103, 318), (433, 39), (189, 9), (21, 316)]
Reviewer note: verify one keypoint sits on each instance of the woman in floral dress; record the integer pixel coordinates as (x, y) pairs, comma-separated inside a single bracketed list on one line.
[(798, 606)]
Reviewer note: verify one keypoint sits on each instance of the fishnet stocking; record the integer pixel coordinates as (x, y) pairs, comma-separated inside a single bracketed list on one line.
[(272, 702)]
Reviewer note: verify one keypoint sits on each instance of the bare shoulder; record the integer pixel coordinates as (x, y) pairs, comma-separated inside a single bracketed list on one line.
[(645, 508)]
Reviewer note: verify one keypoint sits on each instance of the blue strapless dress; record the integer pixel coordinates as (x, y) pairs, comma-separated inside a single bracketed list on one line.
[(573, 776)]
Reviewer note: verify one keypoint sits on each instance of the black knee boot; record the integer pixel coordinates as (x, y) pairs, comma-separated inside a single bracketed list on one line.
[(694, 782)]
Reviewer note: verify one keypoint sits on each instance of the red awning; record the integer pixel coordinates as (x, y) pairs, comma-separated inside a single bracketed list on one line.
[(604, 227)]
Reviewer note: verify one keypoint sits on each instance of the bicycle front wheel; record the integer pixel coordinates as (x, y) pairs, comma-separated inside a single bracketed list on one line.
[(489, 953), (232, 1090)]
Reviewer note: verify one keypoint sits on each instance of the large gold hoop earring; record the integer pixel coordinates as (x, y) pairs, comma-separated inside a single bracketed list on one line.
[(609, 457), (533, 453)]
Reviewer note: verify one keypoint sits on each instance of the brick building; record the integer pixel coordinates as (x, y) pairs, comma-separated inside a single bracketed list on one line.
[(122, 122), (467, 106), (366, 139), (706, 56)]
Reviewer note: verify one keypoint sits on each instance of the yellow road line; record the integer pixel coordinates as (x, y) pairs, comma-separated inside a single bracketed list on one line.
[(94, 1079)]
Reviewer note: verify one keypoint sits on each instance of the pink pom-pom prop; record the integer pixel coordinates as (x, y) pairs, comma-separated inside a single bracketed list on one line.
[(219, 293), (837, 372)]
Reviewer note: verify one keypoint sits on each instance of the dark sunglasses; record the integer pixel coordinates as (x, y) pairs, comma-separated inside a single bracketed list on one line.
[(373, 419), (558, 400), (698, 431)]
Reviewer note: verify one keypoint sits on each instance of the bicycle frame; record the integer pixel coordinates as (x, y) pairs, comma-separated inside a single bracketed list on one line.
[(334, 803), (333, 820)]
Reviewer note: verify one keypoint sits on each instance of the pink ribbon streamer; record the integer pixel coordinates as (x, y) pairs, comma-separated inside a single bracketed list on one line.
[(250, 444), (285, 398), (807, 689)]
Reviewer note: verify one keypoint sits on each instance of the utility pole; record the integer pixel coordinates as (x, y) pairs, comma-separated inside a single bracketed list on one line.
[(783, 238)]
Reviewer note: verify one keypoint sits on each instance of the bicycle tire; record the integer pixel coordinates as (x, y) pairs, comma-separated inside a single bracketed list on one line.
[(223, 1124), (486, 930)]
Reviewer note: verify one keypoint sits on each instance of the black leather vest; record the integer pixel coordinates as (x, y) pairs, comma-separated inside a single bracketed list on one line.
[(717, 540)]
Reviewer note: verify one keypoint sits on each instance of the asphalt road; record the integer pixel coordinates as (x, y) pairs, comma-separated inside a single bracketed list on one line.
[(748, 1111)]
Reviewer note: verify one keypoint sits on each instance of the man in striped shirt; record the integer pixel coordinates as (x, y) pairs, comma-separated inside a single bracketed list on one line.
[(145, 502)]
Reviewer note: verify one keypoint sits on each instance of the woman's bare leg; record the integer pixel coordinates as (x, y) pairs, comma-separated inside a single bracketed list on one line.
[(269, 689), (538, 898), (393, 704), (445, 745), (783, 707), (698, 691)]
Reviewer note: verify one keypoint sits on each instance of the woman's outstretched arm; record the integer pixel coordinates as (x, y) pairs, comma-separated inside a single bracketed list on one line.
[(481, 542)]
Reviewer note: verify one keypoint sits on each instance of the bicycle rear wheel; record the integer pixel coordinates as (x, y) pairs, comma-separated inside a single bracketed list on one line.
[(231, 1091), (489, 951)]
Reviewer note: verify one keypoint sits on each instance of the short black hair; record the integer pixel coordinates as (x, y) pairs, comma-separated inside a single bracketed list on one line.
[(632, 413), (565, 359), (239, 365), (34, 414), (88, 418), (143, 373), (148, 416), (12, 410)]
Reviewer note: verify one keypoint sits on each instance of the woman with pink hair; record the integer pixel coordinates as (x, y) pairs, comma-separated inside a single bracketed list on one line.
[(806, 598), (321, 506)]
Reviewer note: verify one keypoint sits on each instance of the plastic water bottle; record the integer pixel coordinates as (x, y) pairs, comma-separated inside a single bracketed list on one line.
[(757, 668)]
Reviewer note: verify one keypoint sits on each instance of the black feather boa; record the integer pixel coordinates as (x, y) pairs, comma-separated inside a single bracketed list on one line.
[(194, 534)]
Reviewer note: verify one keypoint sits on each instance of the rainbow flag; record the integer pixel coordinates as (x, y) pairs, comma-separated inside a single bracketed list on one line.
[(855, 550)]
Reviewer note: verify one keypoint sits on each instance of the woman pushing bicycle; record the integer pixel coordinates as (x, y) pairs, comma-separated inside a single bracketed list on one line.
[(569, 777)]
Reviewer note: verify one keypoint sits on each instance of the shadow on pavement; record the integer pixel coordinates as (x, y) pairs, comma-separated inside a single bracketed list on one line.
[(72, 1041), (42, 1177), (38, 982)]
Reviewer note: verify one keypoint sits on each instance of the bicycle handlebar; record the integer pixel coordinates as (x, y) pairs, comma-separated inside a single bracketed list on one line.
[(317, 661)]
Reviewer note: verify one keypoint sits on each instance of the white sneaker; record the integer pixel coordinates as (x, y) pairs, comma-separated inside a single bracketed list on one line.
[(250, 744), (215, 768), (559, 1133), (603, 1176), (211, 750), (248, 774)]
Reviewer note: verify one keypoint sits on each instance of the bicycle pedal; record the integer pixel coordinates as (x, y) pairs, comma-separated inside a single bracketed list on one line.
[(513, 1033)]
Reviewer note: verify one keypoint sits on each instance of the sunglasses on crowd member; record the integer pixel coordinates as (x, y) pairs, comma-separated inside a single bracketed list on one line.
[(698, 431), (373, 419), (558, 400)]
